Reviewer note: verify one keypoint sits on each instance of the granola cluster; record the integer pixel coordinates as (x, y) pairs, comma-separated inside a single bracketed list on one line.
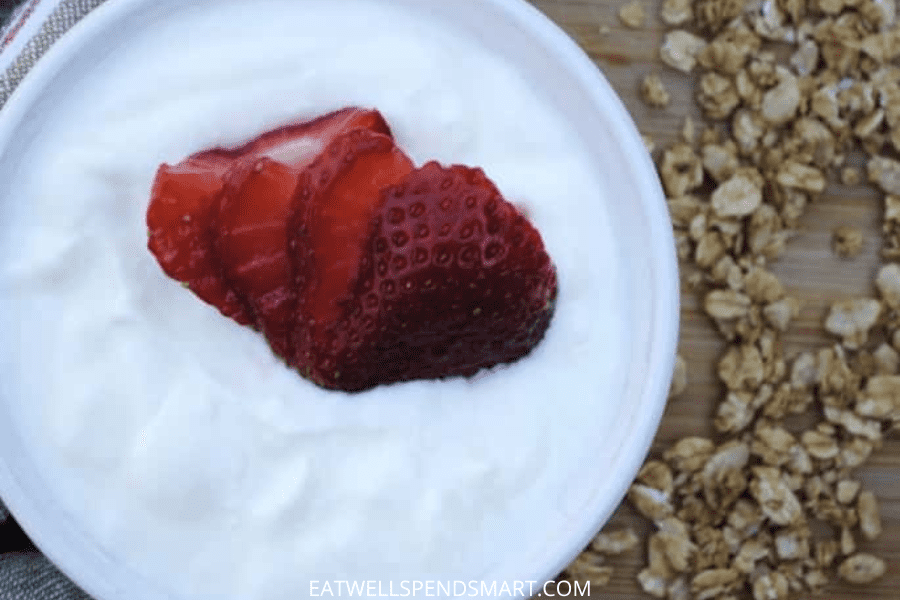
[(632, 14), (590, 566), (791, 91)]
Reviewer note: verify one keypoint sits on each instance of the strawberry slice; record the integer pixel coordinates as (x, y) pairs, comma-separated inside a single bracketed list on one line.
[(181, 205), (251, 243), (185, 201), (452, 279), (299, 145), (251, 235), (336, 200)]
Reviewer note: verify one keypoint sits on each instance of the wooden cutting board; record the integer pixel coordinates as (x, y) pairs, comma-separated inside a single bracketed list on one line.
[(809, 269)]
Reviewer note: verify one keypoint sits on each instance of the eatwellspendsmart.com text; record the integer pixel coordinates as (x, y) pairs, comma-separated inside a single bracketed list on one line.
[(447, 589)]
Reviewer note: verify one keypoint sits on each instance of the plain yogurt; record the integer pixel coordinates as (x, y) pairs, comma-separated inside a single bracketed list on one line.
[(174, 436)]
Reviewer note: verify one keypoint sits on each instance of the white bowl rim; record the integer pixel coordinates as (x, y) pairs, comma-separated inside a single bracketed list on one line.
[(667, 296), (665, 321)]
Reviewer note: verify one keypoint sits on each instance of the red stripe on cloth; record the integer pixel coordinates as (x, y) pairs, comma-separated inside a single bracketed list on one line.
[(12, 33)]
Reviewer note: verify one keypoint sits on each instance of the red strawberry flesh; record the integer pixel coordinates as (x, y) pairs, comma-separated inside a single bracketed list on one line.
[(453, 280), (258, 200), (347, 184), (183, 198), (185, 201), (251, 243)]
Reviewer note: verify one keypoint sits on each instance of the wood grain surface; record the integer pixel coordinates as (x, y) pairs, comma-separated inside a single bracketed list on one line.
[(809, 269)]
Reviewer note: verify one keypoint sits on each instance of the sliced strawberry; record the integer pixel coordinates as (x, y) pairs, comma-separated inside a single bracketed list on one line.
[(180, 210), (453, 279), (336, 201), (256, 203), (251, 243), (299, 145), (186, 198), (358, 269)]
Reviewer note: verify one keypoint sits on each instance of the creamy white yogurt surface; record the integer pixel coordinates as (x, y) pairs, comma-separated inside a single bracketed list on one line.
[(175, 437)]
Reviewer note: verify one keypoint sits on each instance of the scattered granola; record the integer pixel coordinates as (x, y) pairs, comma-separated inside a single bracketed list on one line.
[(793, 93), (852, 320), (676, 12), (717, 95), (681, 170), (847, 241), (590, 565), (885, 172), (679, 377), (688, 130), (869, 515), (654, 92), (862, 568), (888, 283), (615, 542), (780, 103), (739, 196), (850, 176), (680, 50), (632, 14)]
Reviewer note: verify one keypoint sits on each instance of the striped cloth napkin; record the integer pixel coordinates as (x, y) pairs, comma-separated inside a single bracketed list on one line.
[(32, 27)]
